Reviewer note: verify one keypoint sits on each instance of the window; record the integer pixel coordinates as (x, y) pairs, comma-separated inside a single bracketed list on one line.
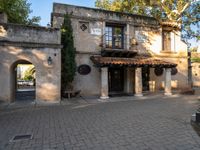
[(114, 37), (166, 41)]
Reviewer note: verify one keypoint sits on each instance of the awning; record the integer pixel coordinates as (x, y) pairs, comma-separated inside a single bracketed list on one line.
[(136, 61)]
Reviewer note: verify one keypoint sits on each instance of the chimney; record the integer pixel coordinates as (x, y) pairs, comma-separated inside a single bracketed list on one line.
[(3, 17)]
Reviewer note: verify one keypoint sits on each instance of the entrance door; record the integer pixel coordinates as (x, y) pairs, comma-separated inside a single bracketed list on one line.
[(145, 78), (116, 80)]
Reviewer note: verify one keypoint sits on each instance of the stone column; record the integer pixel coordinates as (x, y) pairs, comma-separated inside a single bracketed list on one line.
[(104, 83), (104, 34), (127, 37), (128, 80), (138, 82), (168, 81)]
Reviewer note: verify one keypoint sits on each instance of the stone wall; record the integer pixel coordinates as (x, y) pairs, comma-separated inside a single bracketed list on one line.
[(19, 44), (91, 14), (31, 34)]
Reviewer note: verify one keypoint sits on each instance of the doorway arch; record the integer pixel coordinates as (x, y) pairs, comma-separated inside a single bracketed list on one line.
[(23, 81)]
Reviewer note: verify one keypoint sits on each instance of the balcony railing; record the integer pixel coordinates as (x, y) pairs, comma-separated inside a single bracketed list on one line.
[(115, 42), (112, 50)]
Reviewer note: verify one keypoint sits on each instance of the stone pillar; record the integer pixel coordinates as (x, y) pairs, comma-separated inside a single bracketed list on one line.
[(138, 82), (104, 34), (168, 81), (128, 37), (128, 80), (104, 83)]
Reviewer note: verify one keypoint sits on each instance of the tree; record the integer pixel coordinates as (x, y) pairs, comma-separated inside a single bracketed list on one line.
[(183, 12), (193, 49), (18, 12), (191, 22), (29, 73), (68, 67)]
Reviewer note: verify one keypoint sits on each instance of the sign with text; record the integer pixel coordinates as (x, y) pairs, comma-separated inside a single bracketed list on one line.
[(96, 31), (141, 36)]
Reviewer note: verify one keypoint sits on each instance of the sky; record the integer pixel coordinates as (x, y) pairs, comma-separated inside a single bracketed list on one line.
[(43, 8)]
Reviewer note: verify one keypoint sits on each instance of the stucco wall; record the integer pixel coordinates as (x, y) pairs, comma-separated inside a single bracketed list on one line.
[(88, 84), (179, 81), (84, 40), (86, 45), (35, 45), (177, 55)]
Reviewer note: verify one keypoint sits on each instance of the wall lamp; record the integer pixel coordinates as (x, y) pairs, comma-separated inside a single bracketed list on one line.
[(49, 60)]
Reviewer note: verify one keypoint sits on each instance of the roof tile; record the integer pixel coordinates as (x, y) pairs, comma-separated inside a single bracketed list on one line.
[(137, 61)]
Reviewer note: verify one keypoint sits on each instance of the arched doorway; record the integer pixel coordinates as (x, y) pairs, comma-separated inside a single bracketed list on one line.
[(23, 81)]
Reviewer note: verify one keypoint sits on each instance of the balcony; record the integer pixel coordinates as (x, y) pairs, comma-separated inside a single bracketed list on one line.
[(116, 46)]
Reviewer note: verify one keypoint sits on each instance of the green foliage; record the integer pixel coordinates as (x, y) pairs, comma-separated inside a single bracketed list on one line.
[(191, 22), (28, 78), (121, 5), (193, 49), (105, 4), (195, 59), (185, 12), (18, 12), (68, 53), (29, 74)]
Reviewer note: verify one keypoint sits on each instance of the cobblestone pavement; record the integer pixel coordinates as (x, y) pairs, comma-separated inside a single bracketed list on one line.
[(125, 123)]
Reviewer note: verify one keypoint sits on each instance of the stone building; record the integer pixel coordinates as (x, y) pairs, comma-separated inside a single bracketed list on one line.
[(120, 53), (40, 46)]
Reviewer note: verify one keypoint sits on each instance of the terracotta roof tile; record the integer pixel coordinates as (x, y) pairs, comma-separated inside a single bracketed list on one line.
[(171, 24), (136, 61)]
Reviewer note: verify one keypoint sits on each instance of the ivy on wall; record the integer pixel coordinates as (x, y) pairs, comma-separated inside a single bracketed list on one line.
[(68, 67)]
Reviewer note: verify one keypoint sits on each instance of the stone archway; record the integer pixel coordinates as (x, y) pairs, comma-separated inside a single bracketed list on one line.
[(23, 85), (29, 44)]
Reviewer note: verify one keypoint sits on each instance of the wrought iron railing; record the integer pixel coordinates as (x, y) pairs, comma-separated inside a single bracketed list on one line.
[(115, 42)]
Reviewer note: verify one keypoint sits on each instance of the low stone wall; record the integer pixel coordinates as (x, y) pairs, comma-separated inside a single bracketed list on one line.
[(31, 34)]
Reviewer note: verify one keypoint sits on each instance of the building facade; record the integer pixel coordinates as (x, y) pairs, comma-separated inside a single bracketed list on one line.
[(119, 53)]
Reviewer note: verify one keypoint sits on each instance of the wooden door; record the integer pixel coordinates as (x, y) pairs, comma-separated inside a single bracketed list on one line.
[(145, 78), (116, 80)]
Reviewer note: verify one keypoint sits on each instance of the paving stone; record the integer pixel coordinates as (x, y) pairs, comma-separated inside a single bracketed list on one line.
[(154, 122)]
